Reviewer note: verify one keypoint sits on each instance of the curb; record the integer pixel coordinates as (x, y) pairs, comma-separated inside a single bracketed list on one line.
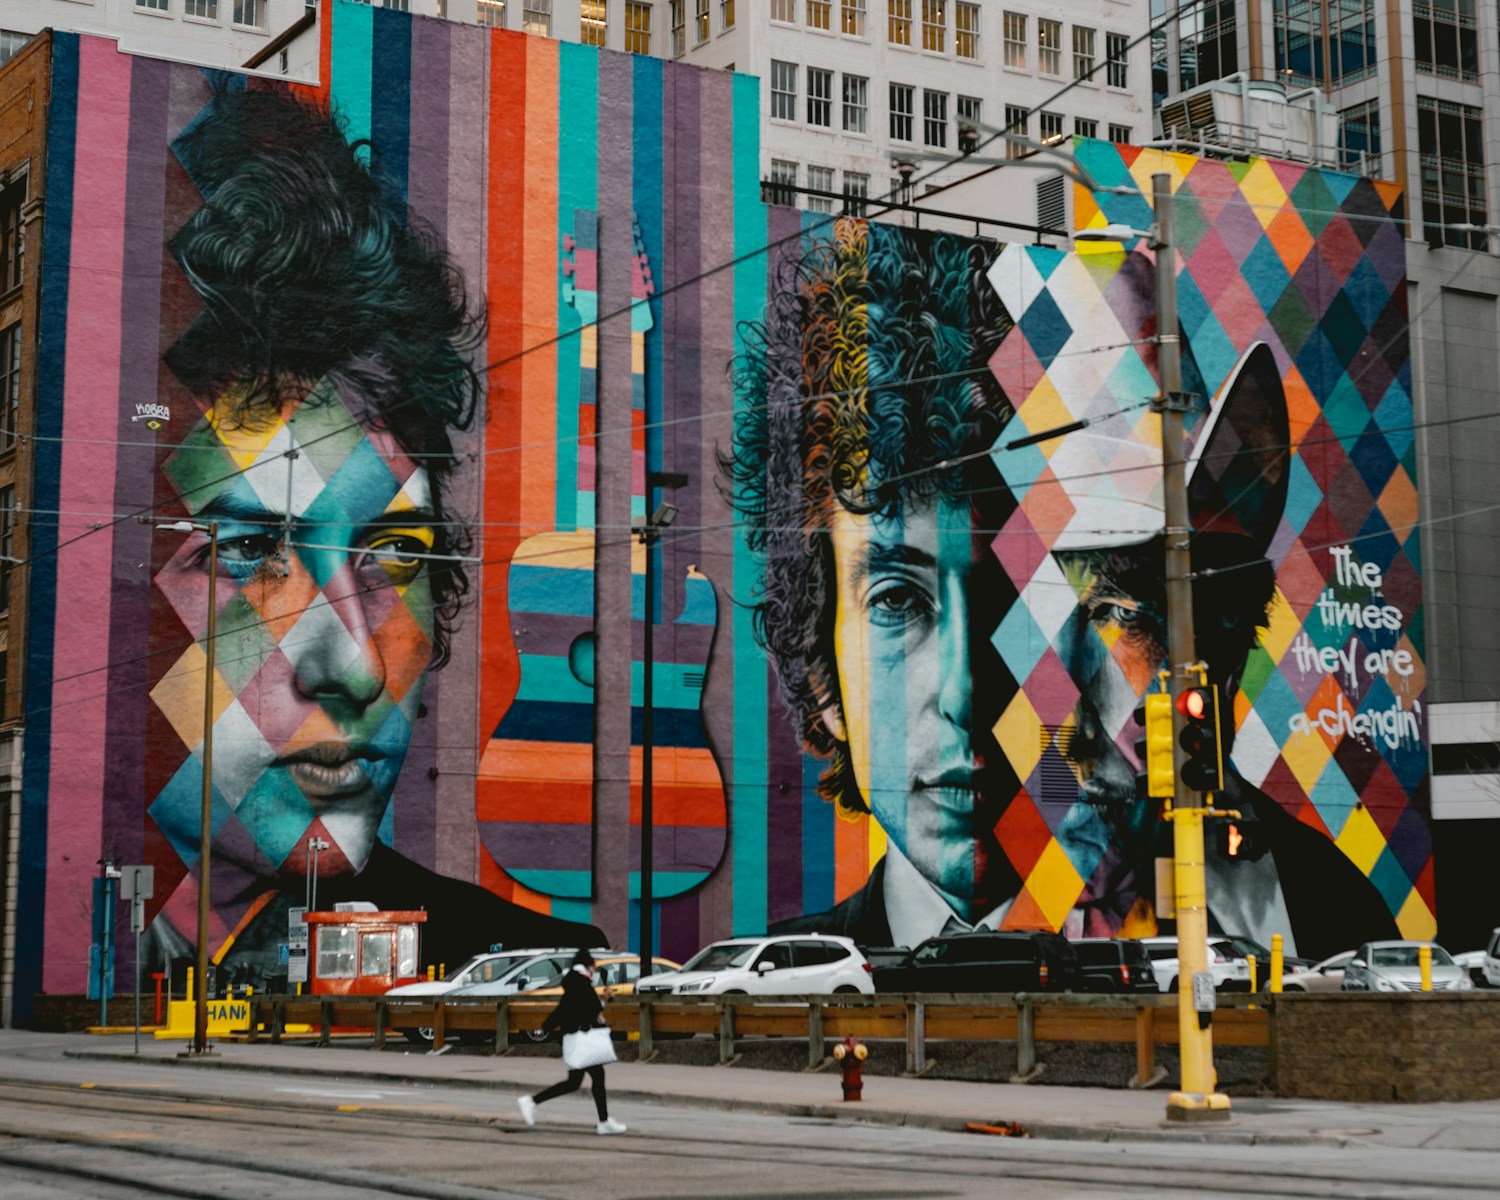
[(1226, 1133)]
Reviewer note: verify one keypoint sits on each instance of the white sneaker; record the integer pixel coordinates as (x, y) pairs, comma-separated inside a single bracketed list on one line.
[(611, 1126), (528, 1109)]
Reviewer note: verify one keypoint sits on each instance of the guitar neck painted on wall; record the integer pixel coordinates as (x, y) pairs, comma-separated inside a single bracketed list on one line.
[(536, 785)]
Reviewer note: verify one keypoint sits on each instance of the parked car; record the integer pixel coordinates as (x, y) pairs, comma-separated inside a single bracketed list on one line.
[(1291, 964), (1115, 965), (1472, 962), (1396, 967), (788, 965), (482, 968), (987, 961), (1227, 965), (1492, 960), (618, 972), (537, 969), (1326, 976)]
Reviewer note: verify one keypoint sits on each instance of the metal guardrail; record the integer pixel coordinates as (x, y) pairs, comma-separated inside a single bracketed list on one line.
[(1027, 1019)]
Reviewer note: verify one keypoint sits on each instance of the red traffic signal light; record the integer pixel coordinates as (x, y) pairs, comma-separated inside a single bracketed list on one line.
[(1203, 764)]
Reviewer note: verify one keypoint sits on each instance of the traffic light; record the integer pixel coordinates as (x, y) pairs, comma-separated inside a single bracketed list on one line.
[(1154, 750), (1203, 764), (1241, 839)]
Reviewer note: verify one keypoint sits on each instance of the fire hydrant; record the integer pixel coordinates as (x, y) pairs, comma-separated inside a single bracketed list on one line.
[(850, 1055)]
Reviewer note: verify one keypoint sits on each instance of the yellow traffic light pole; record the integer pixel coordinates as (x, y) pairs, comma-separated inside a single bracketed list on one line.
[(1197, 1100)]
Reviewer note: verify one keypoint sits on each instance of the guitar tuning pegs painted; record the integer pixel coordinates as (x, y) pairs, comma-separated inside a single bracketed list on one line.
[(568, 242), (569, 267), (568, 291)]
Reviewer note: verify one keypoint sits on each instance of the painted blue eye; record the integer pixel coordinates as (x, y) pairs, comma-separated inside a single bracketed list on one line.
[(896, 602), (243, 555)]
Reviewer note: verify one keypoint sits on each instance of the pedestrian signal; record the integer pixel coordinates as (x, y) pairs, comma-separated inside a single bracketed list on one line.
[(1241, 840), (1203, 764), (1154, 750)]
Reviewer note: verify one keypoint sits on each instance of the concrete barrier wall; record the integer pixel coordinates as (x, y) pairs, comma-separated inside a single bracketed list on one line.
[(1410, 1048)]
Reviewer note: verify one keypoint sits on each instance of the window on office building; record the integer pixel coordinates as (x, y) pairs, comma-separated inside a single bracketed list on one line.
[(208, 10), (536, 17), (1084, 127), (1015, 40), (1083, 52), (153, 5), (1359, 138), (1049, 47), (678, 16), (1208, 42), (1450, 140), (899, 20), (820, 179), (852, 17), (935, 25), (856, 103), (1050, 126), (1120, 133), (934, 118), (783, 90), (819, 97), (492, 13), (820, 14), (1445, 42), (856, 192), (966, 30), (1117, 56), (970, 111), (591, 22), (11, 43), (10, 384), (1016, 120), (903, 107), (12, 234), (637, 27), (783, 183), (726, 14), (397, 5), (784, 10), (700, 22), (7, 542)]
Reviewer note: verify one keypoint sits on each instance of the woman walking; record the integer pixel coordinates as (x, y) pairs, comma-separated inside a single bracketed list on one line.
[(579, 1016)]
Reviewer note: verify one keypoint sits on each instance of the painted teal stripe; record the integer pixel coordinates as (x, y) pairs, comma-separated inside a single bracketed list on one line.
[(749, 809), (544, 677), (577, 187), (350, 73), (647, 155), (665, 883), (580, 911), (559, 883), (672, 690), (563, 591)]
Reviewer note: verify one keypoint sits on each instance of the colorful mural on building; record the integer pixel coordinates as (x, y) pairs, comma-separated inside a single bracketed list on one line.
[(426, 362)]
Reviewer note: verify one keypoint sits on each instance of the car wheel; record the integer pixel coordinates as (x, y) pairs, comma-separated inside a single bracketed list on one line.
[(1293, 987), (846, 990), (734, 992), (537, 1037), (1172, 987), (419, 1037)]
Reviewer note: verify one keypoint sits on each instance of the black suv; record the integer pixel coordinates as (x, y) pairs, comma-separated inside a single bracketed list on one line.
[(986, 961), (1115, 965)]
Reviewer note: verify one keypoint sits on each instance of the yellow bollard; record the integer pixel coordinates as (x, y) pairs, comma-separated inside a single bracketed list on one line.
[(189, 993), (1424, 961), (431, 972), (1254, 976), (442, 970), (1278, 962)]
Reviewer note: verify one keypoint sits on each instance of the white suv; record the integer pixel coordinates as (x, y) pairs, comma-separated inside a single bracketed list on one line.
[(1492, 960), (790, 965), (1230, 968), (480, 969)]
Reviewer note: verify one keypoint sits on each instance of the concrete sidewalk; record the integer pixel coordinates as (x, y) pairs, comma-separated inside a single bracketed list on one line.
[(1073, 1113)]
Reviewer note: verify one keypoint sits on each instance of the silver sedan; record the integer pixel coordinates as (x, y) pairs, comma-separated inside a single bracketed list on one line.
[(1395, 967)]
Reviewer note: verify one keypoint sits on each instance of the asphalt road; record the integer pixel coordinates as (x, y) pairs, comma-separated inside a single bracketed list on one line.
[(76, 1127)]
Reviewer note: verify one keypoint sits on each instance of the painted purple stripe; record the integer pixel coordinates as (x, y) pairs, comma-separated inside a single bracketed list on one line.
[(140, 307), (784, 803), (538, 847), (428, 156), (680, 847)]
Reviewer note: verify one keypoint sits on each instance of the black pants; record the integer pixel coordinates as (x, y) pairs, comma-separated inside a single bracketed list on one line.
[(573, 1082)]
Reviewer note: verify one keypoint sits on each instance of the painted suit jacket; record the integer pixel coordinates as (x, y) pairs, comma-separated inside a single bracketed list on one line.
[(1333, 906)]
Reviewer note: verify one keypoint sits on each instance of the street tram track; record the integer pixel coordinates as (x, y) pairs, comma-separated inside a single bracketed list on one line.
[(1119, 1171)]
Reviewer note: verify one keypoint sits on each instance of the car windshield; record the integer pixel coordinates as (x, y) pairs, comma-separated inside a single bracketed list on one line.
[(720, 956), (1246, 946), (1406, 956), (457, 972)]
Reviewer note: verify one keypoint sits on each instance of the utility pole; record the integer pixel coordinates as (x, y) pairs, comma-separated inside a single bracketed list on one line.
[(1198, 1100)]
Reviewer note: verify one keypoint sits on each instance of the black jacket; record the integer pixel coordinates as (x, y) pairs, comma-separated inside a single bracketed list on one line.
[(579, 1007)]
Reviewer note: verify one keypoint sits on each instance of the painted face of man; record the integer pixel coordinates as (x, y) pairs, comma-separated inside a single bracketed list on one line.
[(919, 595), (325, 630)]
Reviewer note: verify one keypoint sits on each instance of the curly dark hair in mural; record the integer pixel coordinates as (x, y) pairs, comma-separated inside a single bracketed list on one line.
[(310, 269), (866, 374)]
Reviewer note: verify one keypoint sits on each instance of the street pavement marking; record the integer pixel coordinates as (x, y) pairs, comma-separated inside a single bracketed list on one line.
[(348, 1108)]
